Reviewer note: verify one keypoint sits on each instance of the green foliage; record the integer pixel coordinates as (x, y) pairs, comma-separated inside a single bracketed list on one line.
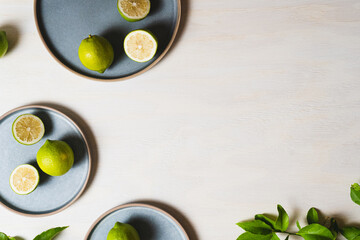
[(334, 228), (252, 236), (3, 236), (355, 193), (351, 233), (256, 227), (312, 216), (282, 222), (315, 231), (266, 220), (298, 225), (47, 235), (265, 228)]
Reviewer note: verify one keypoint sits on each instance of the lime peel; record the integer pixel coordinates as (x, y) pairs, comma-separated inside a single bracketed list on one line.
[(55, 158), (96, 53), (123, 231)]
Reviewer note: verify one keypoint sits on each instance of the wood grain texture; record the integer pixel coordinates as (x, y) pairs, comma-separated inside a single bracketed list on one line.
[(257, 103)]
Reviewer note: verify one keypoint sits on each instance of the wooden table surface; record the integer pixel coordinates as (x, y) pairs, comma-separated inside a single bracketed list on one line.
[(257, 103)]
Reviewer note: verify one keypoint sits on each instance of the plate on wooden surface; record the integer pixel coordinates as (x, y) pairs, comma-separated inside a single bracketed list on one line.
[(150, 222), (53, 194), (62, 26)]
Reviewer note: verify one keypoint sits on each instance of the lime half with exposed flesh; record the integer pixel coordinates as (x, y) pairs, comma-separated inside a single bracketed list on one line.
[(24, 179), (133, 10), (140, 45), (28, 129)]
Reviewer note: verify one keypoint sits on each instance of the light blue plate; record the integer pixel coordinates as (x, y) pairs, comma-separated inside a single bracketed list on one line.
[(53, 194), (62, 26), (151, 223)]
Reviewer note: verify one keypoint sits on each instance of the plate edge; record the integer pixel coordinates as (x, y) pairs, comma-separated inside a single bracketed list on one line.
[(135, 205), (113, 79)]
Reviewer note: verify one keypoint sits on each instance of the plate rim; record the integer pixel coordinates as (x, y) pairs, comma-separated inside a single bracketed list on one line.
[(87, 148), (135, 205), (177, 25)]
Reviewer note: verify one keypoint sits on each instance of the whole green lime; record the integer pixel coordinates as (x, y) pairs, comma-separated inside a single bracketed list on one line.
[(123, 231), (96, 53), (55, 157), (3, 43)]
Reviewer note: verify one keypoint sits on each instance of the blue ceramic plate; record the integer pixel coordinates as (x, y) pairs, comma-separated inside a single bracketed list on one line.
[(62, 25), (151, 223), (53, 194)]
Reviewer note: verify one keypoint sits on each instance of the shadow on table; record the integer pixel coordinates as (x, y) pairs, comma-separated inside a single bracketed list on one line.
[(12, 35), (19, 238), (87, 132), (185, 223), (185, 8), (341, 219)]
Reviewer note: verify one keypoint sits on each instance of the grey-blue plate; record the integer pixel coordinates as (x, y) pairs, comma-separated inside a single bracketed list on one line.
[(62, 26), (53, 194), (150, 222)]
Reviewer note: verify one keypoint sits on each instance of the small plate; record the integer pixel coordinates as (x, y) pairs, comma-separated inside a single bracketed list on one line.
[(53, 194), (62, 25), (150, 222)]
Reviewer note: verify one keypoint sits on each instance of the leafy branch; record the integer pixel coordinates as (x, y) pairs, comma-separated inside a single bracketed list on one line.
[(46, 235), (266, 228)]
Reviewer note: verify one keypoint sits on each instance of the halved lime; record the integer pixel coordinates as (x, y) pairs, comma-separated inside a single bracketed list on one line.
[(28, 129), (133, 10), (3, 43), (24, 179), (140, 45)]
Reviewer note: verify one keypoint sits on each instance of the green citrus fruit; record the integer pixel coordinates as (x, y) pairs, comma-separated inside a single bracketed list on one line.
[(3, 43), (96, 53), (28, 129), (140, 45), (123, 231), (133, 10), (24, 179), (55, 157)]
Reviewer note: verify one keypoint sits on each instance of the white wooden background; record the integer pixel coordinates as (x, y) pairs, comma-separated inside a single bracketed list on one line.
[(257, 103)]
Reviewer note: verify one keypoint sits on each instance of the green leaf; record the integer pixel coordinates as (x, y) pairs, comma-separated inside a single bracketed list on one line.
[(298, 225), (282, 222), (274, 237), (315, 231), (256, 227), (355, 193), (49, 234), (312, 216), (266, 220), (251, 236), (350, 233), (3, 236)]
